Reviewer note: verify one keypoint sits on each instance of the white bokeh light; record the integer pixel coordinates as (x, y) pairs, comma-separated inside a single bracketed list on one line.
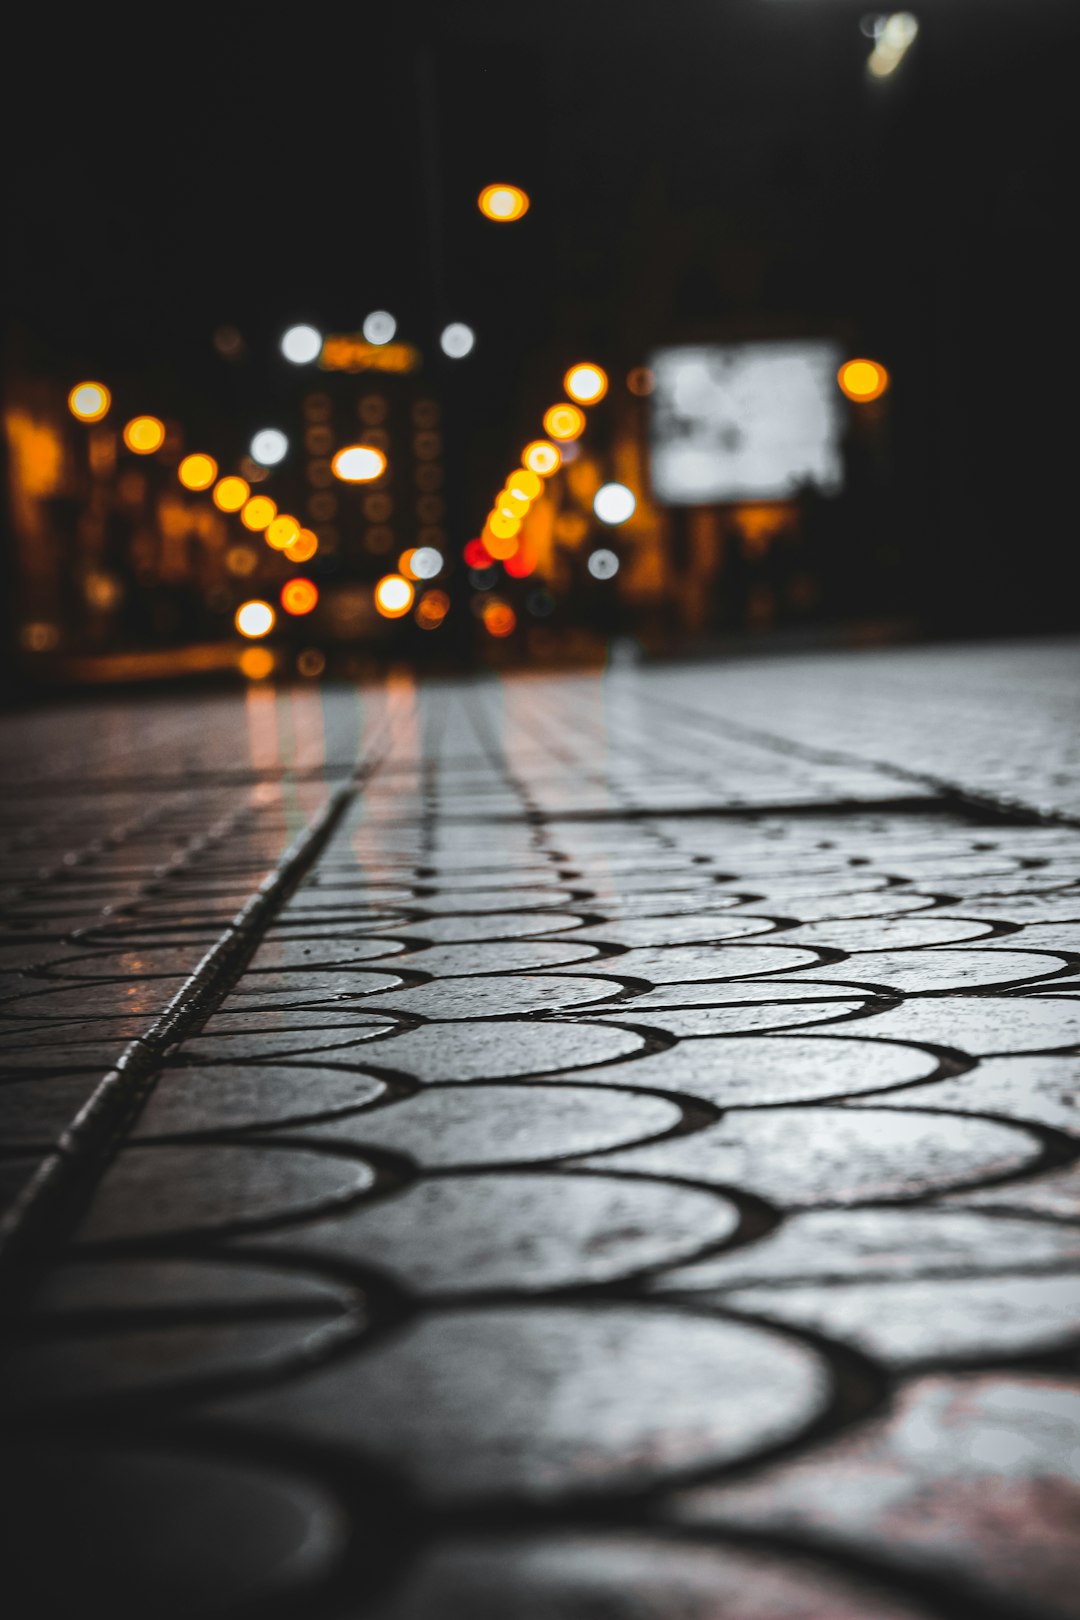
[(269, 446), (379, 326), (426, 562), (603, 564), (457, 340), (613, 503), (301, 345)]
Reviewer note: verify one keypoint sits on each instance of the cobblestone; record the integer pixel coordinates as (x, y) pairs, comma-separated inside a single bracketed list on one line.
[(548, 1148)]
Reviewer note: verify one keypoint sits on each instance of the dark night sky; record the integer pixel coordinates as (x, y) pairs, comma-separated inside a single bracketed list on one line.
[(695, 167)]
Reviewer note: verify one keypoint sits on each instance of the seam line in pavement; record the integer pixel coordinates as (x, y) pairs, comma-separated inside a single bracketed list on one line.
[(87, 1143)]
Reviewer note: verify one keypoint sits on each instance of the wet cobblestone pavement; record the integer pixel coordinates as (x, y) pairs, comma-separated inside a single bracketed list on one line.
[(553, 1147)]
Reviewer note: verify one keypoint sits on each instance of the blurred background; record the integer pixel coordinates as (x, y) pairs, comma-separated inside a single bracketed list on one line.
[(475, 334)]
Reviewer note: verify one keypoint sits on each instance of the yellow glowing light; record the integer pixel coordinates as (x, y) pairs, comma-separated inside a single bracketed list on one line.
[(404, 563), (862, 380), (503, 525), (500, 546), (255, 619), (281, 531), (197, 471), (542, 457), (303, 548), (503, 203), (358, 464), (89, 401), (510, 504), (586, 383), (525, 484), (258, 513), (564, 422), (231, 493), (393, 596), (299, 596), (256, 663), (144, 435)]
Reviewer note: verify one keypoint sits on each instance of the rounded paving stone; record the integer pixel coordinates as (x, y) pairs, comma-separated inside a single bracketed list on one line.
[(491, 1124), (984, 1024), (496, 956), (152, 1533), (685, 930), (540, 1402), (681, 964), (143, 998), (867, 903), (254, 1044), (1044, 1089), (465, 1234), (270, 989), (887, 933), (151, 1192), (497, 995), (455, 901), (502, 1051), (689, 1021), (769, 993), (767, 1070), (805, 1156), (944, 968), (628, 1576), (164, 961), (243, 1096), (491, 926)]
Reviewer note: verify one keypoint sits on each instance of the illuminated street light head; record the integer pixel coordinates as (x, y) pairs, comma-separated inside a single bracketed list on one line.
[(586, 383), (89, 401), (503, 202)]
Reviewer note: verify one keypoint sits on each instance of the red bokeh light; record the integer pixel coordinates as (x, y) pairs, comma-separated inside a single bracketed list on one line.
[(477, 555), (521, 564)]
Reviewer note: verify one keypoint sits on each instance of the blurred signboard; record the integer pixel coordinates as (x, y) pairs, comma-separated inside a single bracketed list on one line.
[(350, 351), (745, 421)]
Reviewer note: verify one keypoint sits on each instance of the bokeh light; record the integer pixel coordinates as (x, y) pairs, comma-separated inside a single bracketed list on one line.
[(231, 493), (427, 561), (258, 513), (476, 554), (89, 401), (311, 662), (499, 618), (503, 526), (255, 619), (269, 446), (282, 531), (432, 609), (301, 344), (586, 383), (256, 663), (379, 327), (640, 381), (304, 547), (512, 505), (564, 422), (524, 483), (542, 457), (358, 464), (862, 380), (241, 560), (603, 564), (144, 434), (299, 596), (522, 563), (457, 340), (197, 471), (614, 503), (393, 596), (503, 203)]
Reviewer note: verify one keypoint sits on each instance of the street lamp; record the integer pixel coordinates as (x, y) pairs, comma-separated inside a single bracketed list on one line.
[(503, 203)]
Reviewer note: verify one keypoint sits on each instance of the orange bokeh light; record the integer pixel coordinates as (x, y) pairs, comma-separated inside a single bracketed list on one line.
[(432, 609), (503, 203), (299, 596), (144, 435), (231, 493), (303, 548), (197, 471), (258, 513), (586, 383), (282, 530), (89, 401), (499, 619), (564, 422), (542, 457), (862, 380), (393, 596)]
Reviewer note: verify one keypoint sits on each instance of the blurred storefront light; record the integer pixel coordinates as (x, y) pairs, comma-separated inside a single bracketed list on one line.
[(457, 340), (269, 446), (564, 422), (231, 493), (358, 464), (586, 383), (862, 380), (255, 619), (393, 596), (89, 401), (301, 345), (144, 434), (197, 471), (503, 203), (614, 504)]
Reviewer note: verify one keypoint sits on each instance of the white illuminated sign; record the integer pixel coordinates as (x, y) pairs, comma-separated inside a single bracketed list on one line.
[(745, 421)]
